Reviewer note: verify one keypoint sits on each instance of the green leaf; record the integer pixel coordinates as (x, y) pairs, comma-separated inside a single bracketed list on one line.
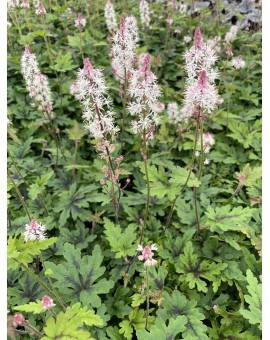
[(24, 252), (68, 324), (76, 132), (121, 242), (136, 321), (64, 63), (248, 175), (177, 305), (31, 307), (137, 300), (180, 175), (73, 202), (79, 277), (39, 186), (224, 219), (159, 331), (193, 269), (254, 300)]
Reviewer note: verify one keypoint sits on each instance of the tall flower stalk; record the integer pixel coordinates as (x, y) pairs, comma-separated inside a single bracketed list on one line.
[(90, 89), (144, 93), (200, 99), (123, 58)]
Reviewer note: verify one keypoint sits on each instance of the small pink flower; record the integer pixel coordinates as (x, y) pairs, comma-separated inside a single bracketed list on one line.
[(169, 20), (18, 320), (40, 9), (238, 63), (147, 254), (47, 302), (80, 21), (102, 182), (229, 52)]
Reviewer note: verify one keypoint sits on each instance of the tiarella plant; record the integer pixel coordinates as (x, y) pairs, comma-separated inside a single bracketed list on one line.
[(134, 170)]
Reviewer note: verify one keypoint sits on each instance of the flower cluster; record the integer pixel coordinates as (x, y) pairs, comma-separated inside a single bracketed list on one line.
[(144, 93), (200, 94), (187, 39), (231, 35), (174, 113), (208, 142), (40, 10), (110, 17), (183, 8), (145, 13), (18, 320), (124, 48), (47, 302), (25, 4), (238, 63), (34, 231), (80, 21), (147, 255), (91, 91), (36, 83)]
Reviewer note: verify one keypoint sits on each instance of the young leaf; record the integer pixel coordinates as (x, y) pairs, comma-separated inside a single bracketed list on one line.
[(31, 307), (254, 299), (23, 252), (121, 242), (224, 219), (68, 324)]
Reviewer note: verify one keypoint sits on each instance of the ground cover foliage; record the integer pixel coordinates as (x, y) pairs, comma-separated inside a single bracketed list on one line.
[(205, 219)]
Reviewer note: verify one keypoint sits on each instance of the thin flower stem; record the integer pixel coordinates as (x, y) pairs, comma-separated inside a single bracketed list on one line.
[(189, 174), (147, 298), (75, 158), (147, 185), (32, 329), (50, 282), (19, 194), (124, 109), (51, 292), (81, 50)]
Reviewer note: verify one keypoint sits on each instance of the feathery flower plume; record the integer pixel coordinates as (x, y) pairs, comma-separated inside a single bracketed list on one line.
[(145, 13), (124, 48), (91, 91), (110, 17), (12, 4), (200, 93), (144, 93), (147, 255), (80, 21), (36, 83), (47, 302), (238, 63), (231, 35), (34, 231), (174, 113)]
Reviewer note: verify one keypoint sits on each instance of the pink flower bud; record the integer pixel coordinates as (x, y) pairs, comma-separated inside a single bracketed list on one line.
[(57, 130), (47, 302), (128, 180), (106, 175), (197, 38), (102, 182), (18, 320)]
